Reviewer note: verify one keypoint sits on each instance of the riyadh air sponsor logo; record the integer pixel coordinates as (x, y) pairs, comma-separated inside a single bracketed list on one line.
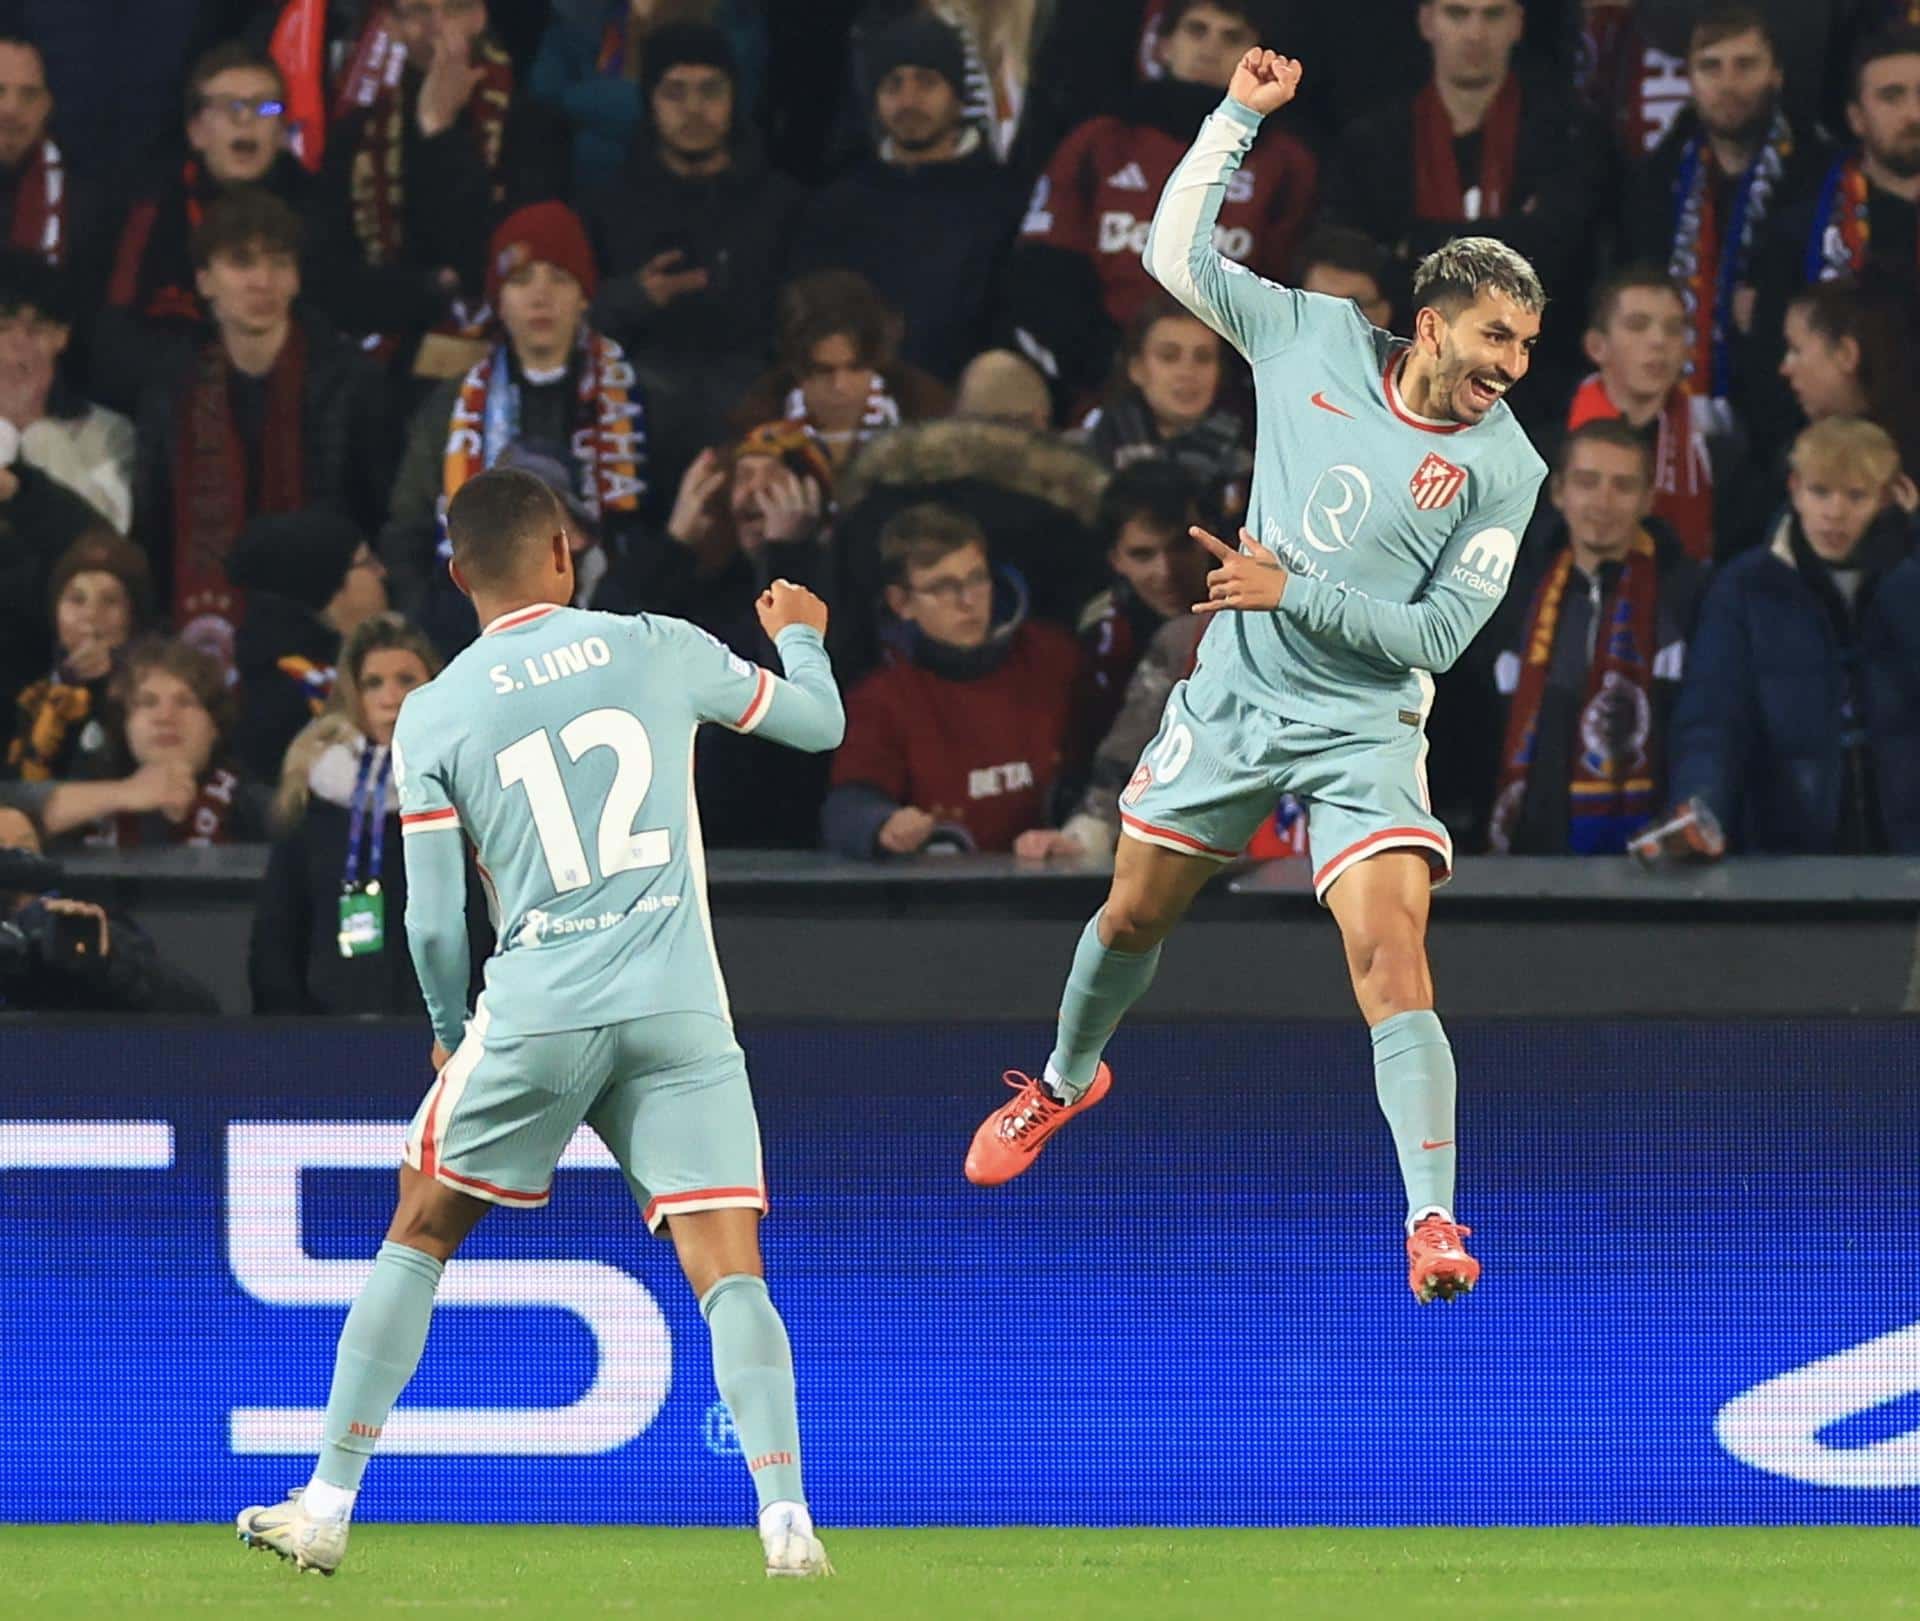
[(1779, 1424), (1486, 563), (1336, 508)]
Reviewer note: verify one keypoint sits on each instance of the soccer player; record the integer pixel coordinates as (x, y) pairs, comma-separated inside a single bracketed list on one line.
[(561, 744), (1390, 487)]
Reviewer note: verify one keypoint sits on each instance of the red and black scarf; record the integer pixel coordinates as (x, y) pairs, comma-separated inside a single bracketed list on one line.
[(40, 205), (210, 486), (378, 184), (1437, 191), (209, 820), (1682, 468), (1614, 771), (153, 269)]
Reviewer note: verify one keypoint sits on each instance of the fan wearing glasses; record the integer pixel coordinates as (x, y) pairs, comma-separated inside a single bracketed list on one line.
[(236, 135)]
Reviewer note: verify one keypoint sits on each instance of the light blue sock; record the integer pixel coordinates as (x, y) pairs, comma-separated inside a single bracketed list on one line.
[(753, 1366), (379, 1349), (1414, 1077), (1101, 986)]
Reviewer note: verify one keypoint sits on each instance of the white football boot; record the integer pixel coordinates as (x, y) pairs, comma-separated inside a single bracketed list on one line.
[(291, 1532), (786, 1533)]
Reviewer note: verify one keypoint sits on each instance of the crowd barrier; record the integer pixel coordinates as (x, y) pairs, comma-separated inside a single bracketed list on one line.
[(1699, 1303)]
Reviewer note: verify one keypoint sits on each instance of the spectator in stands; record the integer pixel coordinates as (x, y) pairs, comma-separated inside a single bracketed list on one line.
[(694, 241), (1165, 403), (1866, 212), (550, 384), (274, 413), (1349, 264), (39, 520), (840, 374), (1594, 662), (1076, 280), (327, 926), (1159, 573), (84, 447), (36, 188), (175, 709), (1637, 336), (1851, 351), (958, 742), (416, 180), (743, 516), (236, 135), (1799, 722), (101, 597), (311, 579), (927, 216), (693, 238), (1001, 386), (997, 41), (1700, 202), (1481, 148), (595, 51), (110, 967), (1036, 495)]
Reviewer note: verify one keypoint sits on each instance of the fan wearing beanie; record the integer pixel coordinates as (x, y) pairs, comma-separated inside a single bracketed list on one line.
[(694, 235), (928, 214), (310, 578), (550, 384)]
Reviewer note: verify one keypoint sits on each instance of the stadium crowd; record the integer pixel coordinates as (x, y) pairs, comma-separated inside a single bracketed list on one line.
[(851, 292)]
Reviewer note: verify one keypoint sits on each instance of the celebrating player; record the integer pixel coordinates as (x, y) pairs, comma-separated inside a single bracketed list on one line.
[(1390, 487), (541, 744)]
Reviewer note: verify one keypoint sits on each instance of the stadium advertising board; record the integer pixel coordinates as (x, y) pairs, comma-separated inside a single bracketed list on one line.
[(1699, 1303)]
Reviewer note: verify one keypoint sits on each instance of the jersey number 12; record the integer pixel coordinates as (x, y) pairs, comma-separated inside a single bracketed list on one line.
[(530, 762)]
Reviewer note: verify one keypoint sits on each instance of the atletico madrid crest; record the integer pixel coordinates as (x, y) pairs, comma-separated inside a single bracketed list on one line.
[(1435, 482)]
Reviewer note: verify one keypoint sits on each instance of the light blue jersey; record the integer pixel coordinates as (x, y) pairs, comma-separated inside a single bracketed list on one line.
[(560, 745), (1400, 533)]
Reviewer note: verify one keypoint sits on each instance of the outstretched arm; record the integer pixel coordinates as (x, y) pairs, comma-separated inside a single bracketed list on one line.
[(1257, 317), (801, 710)]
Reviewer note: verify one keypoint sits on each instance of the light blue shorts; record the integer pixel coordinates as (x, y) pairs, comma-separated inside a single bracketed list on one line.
[(1213, 771), (667, 1094)]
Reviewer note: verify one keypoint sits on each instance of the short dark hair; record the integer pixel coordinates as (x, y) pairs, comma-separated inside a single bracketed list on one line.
[(1158, 306), (1343, 248), (1615, 431), (1606, 298), (235, 53), (1153, 490), (1251, 12), (497, 519), (1721, 22), (919, 536), (245, 218), (1451, 277), (1878, 311), (200, 672), (834, 303), (1896, 39), (28, 282)]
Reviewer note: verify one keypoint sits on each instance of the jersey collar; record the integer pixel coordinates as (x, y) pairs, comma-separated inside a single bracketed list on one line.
[(1391, 381), (521, 616)]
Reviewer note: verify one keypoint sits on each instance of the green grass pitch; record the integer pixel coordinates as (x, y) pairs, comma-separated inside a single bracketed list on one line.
[(131, 1573)]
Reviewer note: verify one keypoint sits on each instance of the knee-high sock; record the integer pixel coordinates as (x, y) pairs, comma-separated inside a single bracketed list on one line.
[(753, 1366), (1414, 1077), (1101, 986), (379, 1349)]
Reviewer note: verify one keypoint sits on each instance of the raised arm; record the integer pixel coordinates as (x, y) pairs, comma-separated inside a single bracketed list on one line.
[(801, 710), (1257, 317)]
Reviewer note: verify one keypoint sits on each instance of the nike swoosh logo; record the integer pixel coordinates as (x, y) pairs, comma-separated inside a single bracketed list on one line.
[(1447, 1144), (1326, 404)]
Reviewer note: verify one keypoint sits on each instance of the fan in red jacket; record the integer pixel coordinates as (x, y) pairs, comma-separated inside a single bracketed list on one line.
[(959, 741), (1076, 278)]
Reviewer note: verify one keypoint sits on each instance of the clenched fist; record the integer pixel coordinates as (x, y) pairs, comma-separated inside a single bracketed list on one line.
[(1265, 81), (783, 603)]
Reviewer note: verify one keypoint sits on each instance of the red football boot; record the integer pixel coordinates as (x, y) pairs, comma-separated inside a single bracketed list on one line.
[(1010, 1139), (1438, 1265)]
